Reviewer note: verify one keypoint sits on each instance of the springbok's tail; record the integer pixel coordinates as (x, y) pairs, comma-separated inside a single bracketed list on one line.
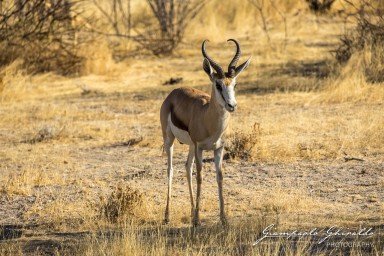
[(162, 148)]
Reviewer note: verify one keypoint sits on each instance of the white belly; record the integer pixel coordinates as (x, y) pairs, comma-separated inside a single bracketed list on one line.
[(181, 135), (211, 143)]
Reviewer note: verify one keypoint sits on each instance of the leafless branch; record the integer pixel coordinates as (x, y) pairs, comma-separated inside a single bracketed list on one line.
[(284, 18), (347, 158), (173, 17), (259, 4)]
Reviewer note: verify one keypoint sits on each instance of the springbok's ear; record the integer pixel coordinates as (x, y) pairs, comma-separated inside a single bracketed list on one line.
[(243, 66), (207, 68)]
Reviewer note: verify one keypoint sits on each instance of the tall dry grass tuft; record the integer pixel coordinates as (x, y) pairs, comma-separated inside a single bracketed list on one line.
[(124, 204), (351, 84), (219, 21), (99, 59), (13, 82)]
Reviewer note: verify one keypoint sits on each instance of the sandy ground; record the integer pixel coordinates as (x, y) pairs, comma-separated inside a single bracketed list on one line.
[(82, 167)]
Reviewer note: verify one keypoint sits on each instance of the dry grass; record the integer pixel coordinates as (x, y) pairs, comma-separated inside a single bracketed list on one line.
[(67, 142), (238, 239), (124, 203), (352, 85)]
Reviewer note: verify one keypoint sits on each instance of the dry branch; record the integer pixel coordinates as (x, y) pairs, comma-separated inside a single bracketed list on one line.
[(259, 4), (348, 158)]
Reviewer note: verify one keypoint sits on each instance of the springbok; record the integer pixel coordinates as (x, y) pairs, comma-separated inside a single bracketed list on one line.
[(200, 120)]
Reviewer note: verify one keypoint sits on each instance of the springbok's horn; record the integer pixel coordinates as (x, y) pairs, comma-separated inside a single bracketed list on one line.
[(214, 65), (232, 65)]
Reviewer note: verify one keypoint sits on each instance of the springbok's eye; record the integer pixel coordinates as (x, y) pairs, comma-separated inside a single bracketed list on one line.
[(234, 87), (218, 86)]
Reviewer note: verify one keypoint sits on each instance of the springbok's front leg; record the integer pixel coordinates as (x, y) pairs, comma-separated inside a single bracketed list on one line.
[(189, 169), (199, 166), (218, 155)]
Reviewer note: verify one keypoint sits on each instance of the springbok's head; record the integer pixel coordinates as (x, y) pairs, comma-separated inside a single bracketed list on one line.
[(224, 83)]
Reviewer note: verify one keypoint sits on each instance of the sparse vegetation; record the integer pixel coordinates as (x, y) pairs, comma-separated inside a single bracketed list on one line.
[(82, 171)]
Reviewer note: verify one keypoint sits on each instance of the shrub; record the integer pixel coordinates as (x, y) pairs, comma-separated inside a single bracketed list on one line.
[(367, 39), (241, 145), (124, 202), (41, 33), (159, 33)]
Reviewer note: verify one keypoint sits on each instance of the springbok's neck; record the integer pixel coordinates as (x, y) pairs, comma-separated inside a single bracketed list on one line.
[(217, 116)]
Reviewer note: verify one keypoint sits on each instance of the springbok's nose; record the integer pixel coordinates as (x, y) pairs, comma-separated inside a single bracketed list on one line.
[(233, 105)]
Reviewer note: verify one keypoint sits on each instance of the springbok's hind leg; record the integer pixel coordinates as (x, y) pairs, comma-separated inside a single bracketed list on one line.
[(168, 147), (199, 179)]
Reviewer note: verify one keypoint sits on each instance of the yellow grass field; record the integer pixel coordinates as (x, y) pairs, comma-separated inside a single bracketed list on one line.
[(71, 148)]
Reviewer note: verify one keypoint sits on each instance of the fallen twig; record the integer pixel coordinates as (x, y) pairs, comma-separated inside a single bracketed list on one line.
[(348, 158)]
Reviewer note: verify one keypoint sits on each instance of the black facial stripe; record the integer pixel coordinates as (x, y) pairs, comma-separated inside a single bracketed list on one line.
[(221, 93), (218, 87)]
